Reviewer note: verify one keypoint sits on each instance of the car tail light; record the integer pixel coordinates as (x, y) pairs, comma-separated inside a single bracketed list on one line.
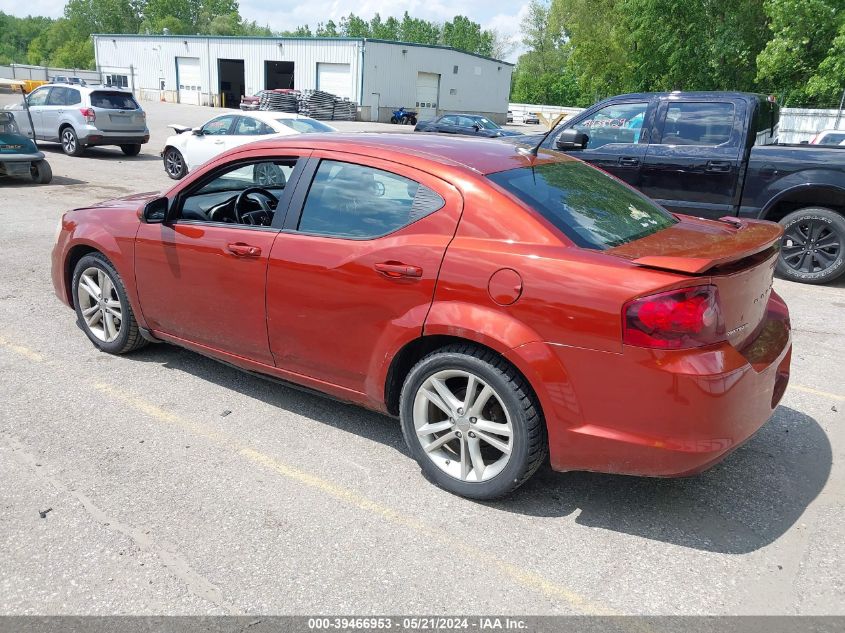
[(678, 319), (89, 114)]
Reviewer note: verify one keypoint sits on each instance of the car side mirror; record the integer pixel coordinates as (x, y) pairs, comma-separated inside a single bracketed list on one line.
[(155, 211), (197, 131), (571, 139)]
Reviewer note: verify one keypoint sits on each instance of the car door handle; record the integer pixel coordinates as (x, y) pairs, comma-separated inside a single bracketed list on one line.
[(718, 166), (629, 161), (398, 270), (239, 249)]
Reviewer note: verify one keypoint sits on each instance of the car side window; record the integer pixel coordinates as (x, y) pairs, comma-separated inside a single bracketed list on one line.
[(58, 97), (448, 120), (354, 201), (73, 97), (39, 97), (691, 123), (615, 123), (219, 126), (247, 126)]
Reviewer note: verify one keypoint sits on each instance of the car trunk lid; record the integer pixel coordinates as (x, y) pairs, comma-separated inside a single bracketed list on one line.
[(737, 256), (117, 111)]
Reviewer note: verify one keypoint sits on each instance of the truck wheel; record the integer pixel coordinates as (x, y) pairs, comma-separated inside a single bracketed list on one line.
[(41, 172), (131, 150), (70, 142), (813, 246)]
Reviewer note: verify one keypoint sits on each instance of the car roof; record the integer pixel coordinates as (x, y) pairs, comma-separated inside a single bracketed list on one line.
[(272, 115), (424, 151), (85, 89)]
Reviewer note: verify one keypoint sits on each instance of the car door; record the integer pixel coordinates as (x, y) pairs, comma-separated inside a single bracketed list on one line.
[(210, 142), (352, 276), (447, 124), (618, 138), (202, 281), (692, 166), (52, 111), (36, 101)]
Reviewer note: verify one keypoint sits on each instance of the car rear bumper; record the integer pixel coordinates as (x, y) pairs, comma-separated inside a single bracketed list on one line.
[(91, 135), (664, 413)]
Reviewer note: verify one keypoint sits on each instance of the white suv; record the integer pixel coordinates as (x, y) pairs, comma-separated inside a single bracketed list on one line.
[(84, 116)]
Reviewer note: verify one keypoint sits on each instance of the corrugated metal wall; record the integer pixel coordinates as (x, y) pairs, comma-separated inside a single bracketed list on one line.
[(154, 57), (390, 69)]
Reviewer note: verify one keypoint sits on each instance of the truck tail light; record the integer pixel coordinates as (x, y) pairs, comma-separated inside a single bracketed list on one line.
[(89, 114), (678, 319)]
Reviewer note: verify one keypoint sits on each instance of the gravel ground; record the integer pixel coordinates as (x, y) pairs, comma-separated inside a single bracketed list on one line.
[(171, 484)]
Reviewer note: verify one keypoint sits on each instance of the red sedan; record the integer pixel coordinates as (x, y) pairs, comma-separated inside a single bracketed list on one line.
[(504, 306)]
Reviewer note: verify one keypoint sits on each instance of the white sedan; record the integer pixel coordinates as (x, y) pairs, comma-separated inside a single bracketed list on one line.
[(191, 147)]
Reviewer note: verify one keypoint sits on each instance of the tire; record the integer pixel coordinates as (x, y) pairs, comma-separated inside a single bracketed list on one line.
[(413, 120), (174, 163), (394, 120), (41, 172), (131, 150), (70, 142), (813, 246), (123, 336), (512, 404)]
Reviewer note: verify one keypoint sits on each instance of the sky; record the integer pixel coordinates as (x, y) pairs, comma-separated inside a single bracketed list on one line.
[(502, 15)]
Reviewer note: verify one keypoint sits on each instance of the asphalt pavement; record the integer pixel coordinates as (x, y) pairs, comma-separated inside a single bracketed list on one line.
[(165, 483)]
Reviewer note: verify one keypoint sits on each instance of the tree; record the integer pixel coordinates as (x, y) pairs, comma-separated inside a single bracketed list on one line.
[(465, 35), (418, 31), (329, 29), (353, 26)]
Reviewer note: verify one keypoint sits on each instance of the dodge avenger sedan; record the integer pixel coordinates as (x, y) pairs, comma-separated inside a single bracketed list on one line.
[(504, 306)]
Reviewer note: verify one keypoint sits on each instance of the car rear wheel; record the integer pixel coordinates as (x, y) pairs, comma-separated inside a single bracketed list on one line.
[(174, 163), (813, 246), (70, 142), (472, 422), (131, 150), (41, 172), (102, 307)]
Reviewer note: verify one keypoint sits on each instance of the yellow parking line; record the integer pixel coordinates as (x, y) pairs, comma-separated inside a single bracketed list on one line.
[(816, 392), (524, 577), (21, 350)]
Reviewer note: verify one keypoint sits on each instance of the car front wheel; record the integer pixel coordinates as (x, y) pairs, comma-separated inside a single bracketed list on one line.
[(102, 307), (174, 163), (472, 422), (813, 246)]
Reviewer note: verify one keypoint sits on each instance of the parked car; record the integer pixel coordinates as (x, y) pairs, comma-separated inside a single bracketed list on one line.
[(466, 124), (829, 137), (509, 117), (532, 118), (716, 154), (191, 147), (251, 102), (75, 81), (501, 305), (78, 117)]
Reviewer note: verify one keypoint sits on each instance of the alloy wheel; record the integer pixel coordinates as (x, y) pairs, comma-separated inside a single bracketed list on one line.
[(462, 425), (69, 141), (99, 304), (810, 246), (173, 163)]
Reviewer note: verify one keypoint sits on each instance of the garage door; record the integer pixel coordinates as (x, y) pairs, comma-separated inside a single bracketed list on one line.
[(334, 78), (188, 77), (428, 91)]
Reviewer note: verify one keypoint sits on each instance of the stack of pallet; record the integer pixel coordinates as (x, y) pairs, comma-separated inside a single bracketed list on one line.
[(317, 104), (344, 110), (279, 100)]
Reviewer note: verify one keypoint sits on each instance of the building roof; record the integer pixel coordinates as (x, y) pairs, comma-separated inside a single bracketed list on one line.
[(306, 39)]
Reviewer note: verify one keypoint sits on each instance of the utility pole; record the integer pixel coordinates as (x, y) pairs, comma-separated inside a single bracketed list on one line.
[(839, 114)]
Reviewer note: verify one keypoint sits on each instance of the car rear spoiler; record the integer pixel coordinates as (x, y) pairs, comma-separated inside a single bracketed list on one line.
[(180, 129), (744, 239)]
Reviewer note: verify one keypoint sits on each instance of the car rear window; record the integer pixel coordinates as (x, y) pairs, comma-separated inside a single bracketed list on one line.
[(113, 100), (305, 126), (590, 208)]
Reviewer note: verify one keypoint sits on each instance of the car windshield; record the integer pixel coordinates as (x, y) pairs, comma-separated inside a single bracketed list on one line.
[(305, 126), (593, 210), (113, 100)]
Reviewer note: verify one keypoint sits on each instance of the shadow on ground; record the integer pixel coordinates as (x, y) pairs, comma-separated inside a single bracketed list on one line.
[(745, 503), (106, 152)]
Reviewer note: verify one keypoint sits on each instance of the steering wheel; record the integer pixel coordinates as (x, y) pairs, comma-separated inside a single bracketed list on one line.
[(248, 193)]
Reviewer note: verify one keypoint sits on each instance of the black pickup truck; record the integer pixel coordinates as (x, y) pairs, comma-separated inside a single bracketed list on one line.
[(715, 154)]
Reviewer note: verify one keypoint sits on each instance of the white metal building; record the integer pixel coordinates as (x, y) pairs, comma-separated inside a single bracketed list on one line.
[(380, 75)]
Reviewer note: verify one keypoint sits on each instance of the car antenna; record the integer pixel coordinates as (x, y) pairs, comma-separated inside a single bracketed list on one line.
[(533, 151)]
